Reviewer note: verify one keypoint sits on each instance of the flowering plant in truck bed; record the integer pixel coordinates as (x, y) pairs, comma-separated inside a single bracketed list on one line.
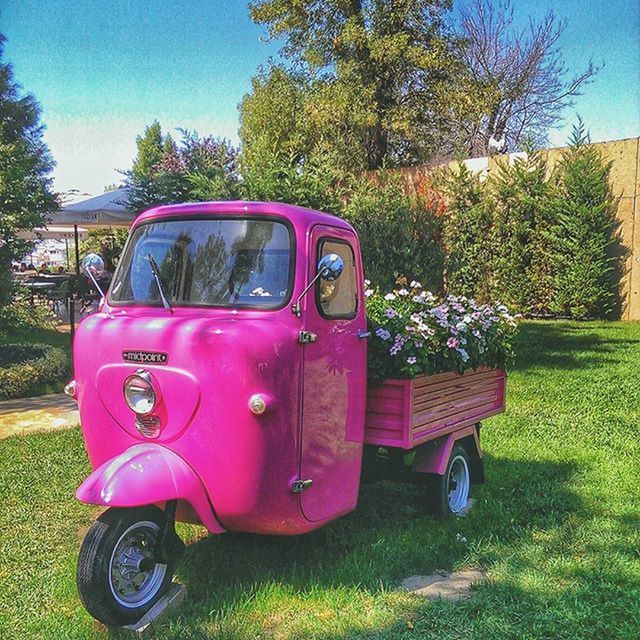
[(415, 332)]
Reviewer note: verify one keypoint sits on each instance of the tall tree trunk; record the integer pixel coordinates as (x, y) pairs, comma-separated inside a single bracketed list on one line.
[(377, 146)]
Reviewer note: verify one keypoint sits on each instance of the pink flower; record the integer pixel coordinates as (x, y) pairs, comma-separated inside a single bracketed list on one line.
[(453, 343), (411, 359)]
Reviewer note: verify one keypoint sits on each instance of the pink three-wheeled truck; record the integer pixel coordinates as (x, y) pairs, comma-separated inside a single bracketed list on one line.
[(223, 382)]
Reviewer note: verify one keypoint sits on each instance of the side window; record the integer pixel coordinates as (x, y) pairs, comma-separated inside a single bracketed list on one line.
[(338, 299)]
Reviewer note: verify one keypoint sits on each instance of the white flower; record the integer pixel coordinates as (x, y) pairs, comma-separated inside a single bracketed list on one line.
[(411, 360), (415, 284), (467, 319), (368, 293), (403, 292), (390, 296), (367, 283)]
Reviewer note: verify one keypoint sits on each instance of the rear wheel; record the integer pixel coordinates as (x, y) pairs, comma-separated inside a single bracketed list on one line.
[(454, 486), (118, 578)]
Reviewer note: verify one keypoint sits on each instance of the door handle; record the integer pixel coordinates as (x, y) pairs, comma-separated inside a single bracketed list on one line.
[(363, 334)]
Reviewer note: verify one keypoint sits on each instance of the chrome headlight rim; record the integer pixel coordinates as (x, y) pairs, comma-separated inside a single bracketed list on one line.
[(146, 386)]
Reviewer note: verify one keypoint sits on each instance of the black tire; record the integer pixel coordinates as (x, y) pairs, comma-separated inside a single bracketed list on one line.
[(445, 505), (97, 583)]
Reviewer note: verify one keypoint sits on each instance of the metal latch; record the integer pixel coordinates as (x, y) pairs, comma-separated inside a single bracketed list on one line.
[(298, 486), (305, 337)]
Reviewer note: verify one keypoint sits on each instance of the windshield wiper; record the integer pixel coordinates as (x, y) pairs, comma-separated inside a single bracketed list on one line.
[(156, 276)]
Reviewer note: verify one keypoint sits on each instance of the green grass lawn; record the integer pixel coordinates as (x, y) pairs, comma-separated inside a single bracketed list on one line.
[(557, 526)]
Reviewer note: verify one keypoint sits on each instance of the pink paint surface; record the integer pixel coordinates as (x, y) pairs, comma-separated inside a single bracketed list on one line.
[(228, 468), (219, 358)]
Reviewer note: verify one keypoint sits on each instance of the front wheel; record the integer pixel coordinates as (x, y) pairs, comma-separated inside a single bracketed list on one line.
[(118, 578)]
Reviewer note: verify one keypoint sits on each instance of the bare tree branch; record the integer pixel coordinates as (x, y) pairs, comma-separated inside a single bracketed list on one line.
[(522, 73)]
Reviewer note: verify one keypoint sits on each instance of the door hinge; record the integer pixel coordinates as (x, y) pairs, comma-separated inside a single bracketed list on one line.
[(305, 337), (298, 486)]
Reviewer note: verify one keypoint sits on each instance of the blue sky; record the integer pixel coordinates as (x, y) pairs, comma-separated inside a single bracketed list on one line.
[(103, 70)]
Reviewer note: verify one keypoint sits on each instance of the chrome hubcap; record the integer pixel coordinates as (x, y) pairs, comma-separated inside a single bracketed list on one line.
[(458, 485), (134, 578)]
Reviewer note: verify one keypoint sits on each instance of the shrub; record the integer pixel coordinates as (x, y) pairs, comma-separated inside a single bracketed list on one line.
[(274, 177), (416, 332), (400, 235), (521, 262), (24, 368), (20, 313), (468, 223), (584, 233)]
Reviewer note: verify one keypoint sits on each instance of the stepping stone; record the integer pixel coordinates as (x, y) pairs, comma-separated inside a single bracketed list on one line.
[(444, 586)]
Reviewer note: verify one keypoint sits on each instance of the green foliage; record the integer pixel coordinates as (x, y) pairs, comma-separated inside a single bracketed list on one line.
[(197, 169), (25, 367), (519, 196), (288, 118), (584, 234), (543, 244), (400, 235), (279, 178), (151, 149), (26, 197), (467, 228), (374, 75), (21, 314)]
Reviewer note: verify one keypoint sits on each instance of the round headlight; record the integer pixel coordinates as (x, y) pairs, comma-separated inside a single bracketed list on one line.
[(139, 393)]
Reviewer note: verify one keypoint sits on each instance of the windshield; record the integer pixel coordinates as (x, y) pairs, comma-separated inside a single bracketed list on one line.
[(231, 262)]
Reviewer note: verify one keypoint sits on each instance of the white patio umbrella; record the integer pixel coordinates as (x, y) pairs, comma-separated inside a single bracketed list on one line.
[(105, 210), (102, 211), (53, 233)]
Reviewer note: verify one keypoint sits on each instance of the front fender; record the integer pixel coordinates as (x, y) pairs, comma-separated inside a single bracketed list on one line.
[(147, 474)]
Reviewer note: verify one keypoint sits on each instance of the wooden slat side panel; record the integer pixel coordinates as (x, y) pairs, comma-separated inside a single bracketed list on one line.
[(387, 421), (438, 398), (431, 415), (453, 381), (404, 413), (432, 434), (478, 412), (426, 381), (456, 402)]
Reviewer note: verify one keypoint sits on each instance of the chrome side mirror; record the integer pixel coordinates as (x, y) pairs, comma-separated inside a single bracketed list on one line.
[(330, 267), (93, 268), (93, 265)]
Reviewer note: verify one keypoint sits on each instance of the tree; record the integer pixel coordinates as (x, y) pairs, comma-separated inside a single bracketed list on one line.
[(518, 77), (584, 236), (26, 196), (381, 67), (521, 261), (468, 227), (197, 169), (151, 148)]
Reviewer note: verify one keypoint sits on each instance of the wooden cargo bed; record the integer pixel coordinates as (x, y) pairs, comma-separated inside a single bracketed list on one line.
[(407, 413)]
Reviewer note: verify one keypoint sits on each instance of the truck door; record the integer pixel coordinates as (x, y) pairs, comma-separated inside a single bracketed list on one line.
[(334, 383)]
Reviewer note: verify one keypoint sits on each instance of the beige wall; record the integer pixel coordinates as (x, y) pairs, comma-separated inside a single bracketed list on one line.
[(625, 181)]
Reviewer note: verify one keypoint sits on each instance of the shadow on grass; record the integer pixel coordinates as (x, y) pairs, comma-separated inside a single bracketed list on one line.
[(389, 537), (569, 345)]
